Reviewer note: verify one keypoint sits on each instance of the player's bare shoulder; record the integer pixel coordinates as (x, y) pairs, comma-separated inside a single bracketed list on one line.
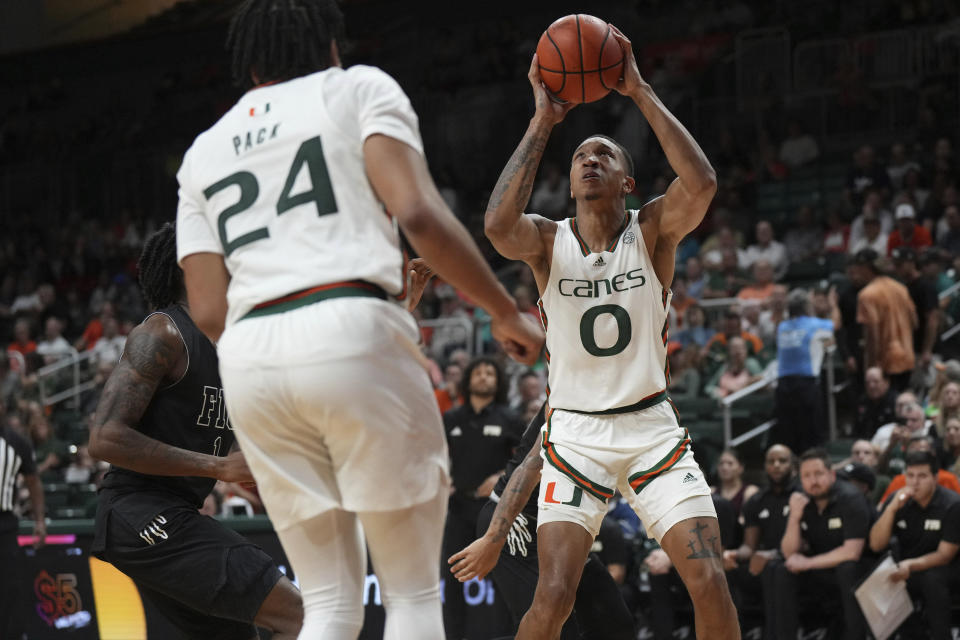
[(155, 348), (649, 217)]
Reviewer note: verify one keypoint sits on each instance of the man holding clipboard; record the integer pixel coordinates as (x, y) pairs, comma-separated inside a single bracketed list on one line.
[(925, 519)]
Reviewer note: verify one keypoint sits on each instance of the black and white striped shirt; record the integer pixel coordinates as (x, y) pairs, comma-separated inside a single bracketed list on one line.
[(16, 457)]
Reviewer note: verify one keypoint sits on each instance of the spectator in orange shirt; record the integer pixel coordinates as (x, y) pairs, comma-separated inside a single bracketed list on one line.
[(762, 286), (945, 479), (888, 317), (715, 352), (680, 303), (21, 338), (448, 395), (908, 232)]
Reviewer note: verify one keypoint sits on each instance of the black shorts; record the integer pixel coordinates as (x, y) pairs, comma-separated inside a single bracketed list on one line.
[(208, 580), (599, 612)]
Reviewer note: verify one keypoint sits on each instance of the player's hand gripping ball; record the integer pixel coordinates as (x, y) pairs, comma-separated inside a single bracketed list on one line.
[(579, 59)]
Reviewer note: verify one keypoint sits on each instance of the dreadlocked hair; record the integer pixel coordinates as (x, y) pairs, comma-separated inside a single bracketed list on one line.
[(283, 39), (161, 279)]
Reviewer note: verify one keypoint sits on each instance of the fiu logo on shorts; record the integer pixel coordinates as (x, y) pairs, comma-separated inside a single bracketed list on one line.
[(574, 500), (213, 411), (57, 598), (154, 531), (603, 287)]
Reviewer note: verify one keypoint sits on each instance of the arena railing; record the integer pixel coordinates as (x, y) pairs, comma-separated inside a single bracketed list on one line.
[(769, 379), (949, 292), (459, 327), (66, 378)]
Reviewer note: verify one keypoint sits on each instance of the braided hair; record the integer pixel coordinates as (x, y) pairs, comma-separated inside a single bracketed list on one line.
[(161, 279), (283, 39)]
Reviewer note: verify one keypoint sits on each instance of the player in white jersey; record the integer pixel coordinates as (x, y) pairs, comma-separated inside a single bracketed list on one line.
[(604, 282), (292, 263)]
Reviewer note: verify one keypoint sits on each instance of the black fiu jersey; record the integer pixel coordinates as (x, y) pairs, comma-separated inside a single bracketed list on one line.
[(188, 414), (530, 439)]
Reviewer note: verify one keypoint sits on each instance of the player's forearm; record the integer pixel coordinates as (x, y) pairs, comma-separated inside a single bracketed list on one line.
[(525, 477), (126, 447), (683, 153), (447, 247), (512, 192)]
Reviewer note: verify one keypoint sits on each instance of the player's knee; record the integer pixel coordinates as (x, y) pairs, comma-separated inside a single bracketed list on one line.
[(555, 596), (282, 611), (706, 581)]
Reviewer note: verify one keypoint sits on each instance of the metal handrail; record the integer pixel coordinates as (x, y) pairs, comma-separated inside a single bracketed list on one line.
[(949, 291), (467, 325), (727, 402), (73, 363)]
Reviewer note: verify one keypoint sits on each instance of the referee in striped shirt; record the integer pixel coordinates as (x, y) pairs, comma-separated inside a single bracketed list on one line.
[(16, 458)]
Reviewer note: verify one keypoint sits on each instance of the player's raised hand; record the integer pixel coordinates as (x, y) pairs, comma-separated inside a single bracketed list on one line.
[(547, 107), (418, 274), (631, 80), (233, 468), (475, 560), (519, 335)]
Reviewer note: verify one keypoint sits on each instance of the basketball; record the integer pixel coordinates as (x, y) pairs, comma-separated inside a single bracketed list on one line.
[(579, 59)]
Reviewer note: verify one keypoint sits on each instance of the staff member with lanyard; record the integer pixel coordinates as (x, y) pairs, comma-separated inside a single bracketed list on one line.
[(481, 436)]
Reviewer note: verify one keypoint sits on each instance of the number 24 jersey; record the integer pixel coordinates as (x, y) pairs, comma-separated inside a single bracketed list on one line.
[(278, 187)]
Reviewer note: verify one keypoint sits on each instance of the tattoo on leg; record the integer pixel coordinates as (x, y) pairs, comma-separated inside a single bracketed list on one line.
[(708, 549)]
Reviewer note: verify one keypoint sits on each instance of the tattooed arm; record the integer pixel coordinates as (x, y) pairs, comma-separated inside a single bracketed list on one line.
[(514, 235), (479, 558), (154, 355)]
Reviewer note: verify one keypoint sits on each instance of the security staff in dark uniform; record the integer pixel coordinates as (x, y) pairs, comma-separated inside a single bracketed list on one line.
[(162, 425), (765, 518), (482, 434), (507, 549), (822, 544), (925, 520), (16, 458)]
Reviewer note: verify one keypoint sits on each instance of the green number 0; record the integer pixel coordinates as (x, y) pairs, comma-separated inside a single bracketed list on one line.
[(310, 154), (624, 329)]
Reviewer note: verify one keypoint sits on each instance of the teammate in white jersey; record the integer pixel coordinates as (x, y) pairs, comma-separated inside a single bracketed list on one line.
[(287, 235), (604, 282)]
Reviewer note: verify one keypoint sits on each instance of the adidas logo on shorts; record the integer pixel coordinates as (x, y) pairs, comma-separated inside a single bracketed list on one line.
[(688, 478), (599, 262)]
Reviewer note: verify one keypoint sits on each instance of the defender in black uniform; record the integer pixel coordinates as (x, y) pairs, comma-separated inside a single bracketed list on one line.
[(162, 424), (510, 518)]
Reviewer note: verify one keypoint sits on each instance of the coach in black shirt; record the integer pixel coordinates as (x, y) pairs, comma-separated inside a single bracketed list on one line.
[(751, 566), (481, 436), (925, 519), (822, 544)]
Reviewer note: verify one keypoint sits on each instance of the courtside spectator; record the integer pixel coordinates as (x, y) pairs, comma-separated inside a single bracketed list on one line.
[(876, 406)]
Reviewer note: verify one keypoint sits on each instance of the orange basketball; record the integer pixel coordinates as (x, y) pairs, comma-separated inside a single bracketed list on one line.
[(579, 59)]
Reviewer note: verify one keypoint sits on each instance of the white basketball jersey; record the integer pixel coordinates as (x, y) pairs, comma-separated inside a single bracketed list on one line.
[(605, 314), (278, 187)]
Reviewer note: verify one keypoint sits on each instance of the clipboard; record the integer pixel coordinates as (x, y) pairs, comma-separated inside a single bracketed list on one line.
[(885, 604)]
